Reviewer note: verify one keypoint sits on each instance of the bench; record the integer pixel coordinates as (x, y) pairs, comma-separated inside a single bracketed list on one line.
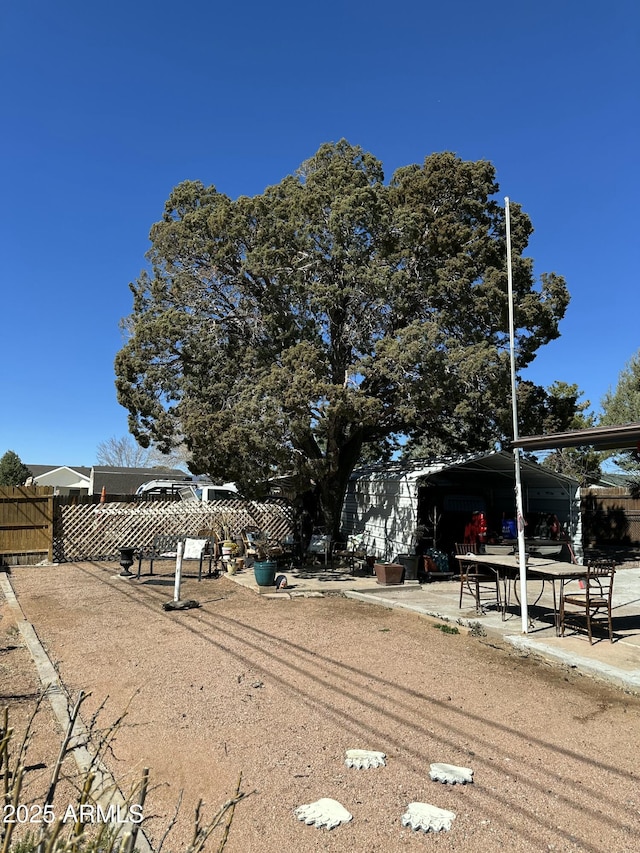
[(165, 547)]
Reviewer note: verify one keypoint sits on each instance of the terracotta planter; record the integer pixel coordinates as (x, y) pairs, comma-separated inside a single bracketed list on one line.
[(389, 574)]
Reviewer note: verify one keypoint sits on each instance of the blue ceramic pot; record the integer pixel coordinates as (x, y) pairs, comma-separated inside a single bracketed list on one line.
[(265, 572)]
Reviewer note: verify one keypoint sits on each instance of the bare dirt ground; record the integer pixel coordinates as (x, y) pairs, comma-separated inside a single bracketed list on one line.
[(278, 689)]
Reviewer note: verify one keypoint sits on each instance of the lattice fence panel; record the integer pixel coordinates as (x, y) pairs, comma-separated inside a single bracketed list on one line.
[(97, 532)]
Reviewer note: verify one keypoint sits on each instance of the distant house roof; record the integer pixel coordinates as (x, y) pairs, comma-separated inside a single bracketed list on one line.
[(614, 479), (39, 470), (125, 481), (61, 477)]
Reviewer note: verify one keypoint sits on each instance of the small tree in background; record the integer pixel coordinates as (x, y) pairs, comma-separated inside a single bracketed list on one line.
[(566, 413), (13, 472), (122, 452), (622, 406), (125, 452)]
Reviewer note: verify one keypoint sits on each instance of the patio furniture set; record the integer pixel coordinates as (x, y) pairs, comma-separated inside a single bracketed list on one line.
[(583, 600)]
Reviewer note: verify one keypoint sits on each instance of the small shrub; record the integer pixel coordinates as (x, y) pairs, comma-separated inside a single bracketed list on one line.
[(476, 629), (447, 629), (75, 835)]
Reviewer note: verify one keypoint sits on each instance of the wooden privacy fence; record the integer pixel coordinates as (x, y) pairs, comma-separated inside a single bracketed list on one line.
[(26, 524), (97, 532), (610, 517)]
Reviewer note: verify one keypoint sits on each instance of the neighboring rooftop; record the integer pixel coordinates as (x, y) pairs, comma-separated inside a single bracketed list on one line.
[(125, 481), (39, 470), (613, 480)]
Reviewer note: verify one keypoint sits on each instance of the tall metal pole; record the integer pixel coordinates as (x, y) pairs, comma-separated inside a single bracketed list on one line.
[(522, 557)]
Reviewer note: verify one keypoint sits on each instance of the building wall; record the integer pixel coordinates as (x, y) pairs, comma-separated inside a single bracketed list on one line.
[(385, 510), (65, 481)]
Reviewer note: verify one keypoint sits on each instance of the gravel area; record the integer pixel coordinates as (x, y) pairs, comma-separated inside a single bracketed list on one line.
[(278, 689)]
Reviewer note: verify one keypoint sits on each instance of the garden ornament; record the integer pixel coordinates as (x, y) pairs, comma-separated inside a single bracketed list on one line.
[(427, 818), (450, 774), (363, 759), (323, 813)]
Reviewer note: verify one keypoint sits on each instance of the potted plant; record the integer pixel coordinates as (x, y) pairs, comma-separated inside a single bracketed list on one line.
[(388, 574), (223, 527), (264, 569), (229, 549)]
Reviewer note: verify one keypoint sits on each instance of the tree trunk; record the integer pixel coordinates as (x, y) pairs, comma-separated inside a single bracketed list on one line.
[(333, 487)]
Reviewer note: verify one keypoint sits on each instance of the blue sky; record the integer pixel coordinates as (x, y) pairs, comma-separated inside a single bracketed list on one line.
[(106, 107)]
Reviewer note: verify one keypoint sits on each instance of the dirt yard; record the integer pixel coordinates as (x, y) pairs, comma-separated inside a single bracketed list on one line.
[(278, 689)]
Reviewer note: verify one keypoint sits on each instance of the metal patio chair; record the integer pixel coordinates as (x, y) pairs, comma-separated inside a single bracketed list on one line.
[(592, 606), (481, 583)]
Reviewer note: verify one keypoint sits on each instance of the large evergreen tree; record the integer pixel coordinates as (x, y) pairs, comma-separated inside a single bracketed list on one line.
[(295, 330)]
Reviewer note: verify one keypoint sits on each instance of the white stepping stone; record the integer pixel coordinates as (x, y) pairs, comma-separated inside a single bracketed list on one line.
[(323, 813), (427, 818), (450, 774), (364, 759)]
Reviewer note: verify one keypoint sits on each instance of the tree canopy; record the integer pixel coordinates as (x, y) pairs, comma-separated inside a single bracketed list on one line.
[(13, 472), (330, 316)]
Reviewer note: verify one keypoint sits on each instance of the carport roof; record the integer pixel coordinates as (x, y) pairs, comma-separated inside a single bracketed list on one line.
[(626, 437), (501, 464), (496, 464)]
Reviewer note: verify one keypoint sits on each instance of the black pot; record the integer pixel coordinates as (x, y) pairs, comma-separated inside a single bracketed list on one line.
[(410, 564), (126, 561)]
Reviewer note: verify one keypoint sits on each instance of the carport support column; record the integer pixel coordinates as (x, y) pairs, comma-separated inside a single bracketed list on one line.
[(179, 553), (522, 558)]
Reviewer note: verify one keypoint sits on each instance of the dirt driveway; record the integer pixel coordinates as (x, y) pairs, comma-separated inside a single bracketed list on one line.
[(278, 689)]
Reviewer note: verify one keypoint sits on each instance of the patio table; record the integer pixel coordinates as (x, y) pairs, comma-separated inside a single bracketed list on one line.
[(507, 567)]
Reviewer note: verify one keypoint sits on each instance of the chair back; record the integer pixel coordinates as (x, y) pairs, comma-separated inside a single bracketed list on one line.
[(466, 548), (600, 575), (355, 542), (251, 537), (319, 544)]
